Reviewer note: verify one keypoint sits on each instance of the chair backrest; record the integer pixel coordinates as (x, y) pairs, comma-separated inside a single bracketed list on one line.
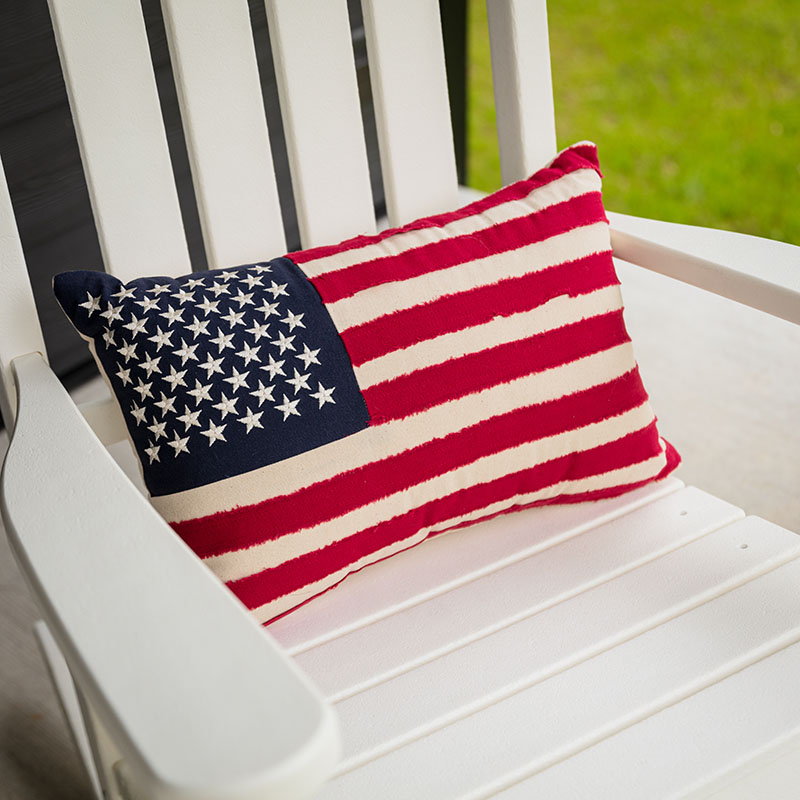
[(109, 76)]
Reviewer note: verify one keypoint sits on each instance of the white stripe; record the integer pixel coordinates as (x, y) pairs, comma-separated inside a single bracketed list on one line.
[(555, 313), (620, 477), (386, 298), (250, 560), (573, 184), (382, 441)]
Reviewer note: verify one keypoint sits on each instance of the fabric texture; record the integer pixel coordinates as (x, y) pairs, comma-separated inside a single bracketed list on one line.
[(298, 419)]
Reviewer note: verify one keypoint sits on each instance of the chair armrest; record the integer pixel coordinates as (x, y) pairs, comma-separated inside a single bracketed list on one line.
[(761, 273), (199, 700)]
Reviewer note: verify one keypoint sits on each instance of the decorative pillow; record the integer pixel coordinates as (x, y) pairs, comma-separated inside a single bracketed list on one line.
[(298, 419)]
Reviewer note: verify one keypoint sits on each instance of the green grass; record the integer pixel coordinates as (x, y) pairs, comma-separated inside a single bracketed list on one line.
[(695, 106)]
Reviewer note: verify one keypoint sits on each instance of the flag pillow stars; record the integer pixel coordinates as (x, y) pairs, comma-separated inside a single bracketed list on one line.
[(300, 418)]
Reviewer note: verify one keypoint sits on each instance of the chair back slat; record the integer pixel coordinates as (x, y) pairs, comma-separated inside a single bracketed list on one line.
[(316, 78), (216, 74), (409, 88), (112, 92), (20, 332), (523, 89)]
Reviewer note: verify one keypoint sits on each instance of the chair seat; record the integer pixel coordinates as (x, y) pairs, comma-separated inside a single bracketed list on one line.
[(641, 646)]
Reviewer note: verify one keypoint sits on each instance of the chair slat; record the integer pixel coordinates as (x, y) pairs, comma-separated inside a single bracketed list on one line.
[(412, 111), (112, 91), (318, 93), (20, 332), (214, 62), (523, 89)]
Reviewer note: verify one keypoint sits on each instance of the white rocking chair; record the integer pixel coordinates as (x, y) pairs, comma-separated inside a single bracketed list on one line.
[(644, 646)]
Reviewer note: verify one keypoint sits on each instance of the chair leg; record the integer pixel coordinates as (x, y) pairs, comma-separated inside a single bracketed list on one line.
[(93, 744)]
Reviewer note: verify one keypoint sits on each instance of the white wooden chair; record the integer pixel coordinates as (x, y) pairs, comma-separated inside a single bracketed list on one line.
[(645, 646)]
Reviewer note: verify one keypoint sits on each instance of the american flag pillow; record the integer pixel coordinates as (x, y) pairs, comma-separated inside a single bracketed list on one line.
[(298, 419)]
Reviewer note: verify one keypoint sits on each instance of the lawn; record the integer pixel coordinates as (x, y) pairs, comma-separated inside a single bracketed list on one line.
[(695, 106)]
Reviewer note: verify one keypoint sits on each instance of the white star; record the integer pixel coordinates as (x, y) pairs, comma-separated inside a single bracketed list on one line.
[(293, 320), (299, 382), (288, 407), (308, 357), (233, 318), (200, 392), (209, 306), (135, 326), (211, 366), (253, 280), (249, 353), (219, 288), (175, 378), (276, 290), (214, 432), (223, 340), (186, 352), (124, 375), (158, 429), (112, 312), (198, 326), (92, 304), (194, 282), (166, 404), (127, 350), (258, 330), (150, 364), (108, 337), (274, 368), (173, 315), (182, 296), (123, 293), (179, 444), (228, 275), (159, 288), (324, 395), (243, 299), (147, 303), (251, 420), (152, 451), (237, 380), (189, 418), (268, 309), (263, 393), (143, 389), (161, 338), (261, 268), (226, 406), (284, 342), (138, 414)]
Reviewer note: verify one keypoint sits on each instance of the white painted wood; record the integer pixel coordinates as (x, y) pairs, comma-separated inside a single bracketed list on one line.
[(216, 74), (70, 705), (412, 110), (262, 731), (20, 332), (755, 711), (321, 115), (112, 92), (467, 678), (760, 273), (445, 562), (523, 89), (105, 419), (530, 584), (550, 721)]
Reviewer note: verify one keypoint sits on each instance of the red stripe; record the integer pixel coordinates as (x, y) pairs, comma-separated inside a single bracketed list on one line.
[(571, 160), (263, 587), (430, 386), (455, 312), (448, 252), (249, 525)]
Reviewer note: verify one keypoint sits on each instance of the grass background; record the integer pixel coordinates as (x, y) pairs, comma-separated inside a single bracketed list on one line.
[(695, 106)]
